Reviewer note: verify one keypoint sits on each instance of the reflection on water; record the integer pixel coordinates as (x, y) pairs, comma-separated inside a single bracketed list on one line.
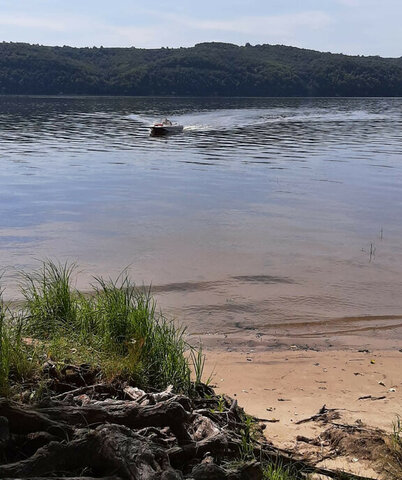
[(263, 211)]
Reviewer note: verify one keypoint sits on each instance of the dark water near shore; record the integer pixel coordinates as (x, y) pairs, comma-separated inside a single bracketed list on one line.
[(264, 213)]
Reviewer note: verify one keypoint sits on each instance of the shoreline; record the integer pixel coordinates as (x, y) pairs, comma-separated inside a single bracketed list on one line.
[(374, 333)]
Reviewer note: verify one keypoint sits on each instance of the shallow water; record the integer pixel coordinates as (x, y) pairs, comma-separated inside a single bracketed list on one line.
[(263, 214)]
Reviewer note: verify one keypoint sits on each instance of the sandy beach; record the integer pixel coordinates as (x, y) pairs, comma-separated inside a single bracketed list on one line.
[(292, 384)]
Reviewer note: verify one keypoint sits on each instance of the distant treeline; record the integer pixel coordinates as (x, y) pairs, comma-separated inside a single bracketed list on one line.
[(207, 69)]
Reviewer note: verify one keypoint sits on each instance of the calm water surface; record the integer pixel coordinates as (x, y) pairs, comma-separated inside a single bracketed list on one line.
[(263, 214)]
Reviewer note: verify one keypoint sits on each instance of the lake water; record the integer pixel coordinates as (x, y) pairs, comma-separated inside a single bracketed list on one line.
[(264, 214)]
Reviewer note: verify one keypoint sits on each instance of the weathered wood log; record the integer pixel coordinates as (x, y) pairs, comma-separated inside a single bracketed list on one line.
[(89, 389), (165, 414), (109, 449), (60, 420), (208, 470), (220, 444), (66, 478), (24, 420), (4, 432), (28, 444)]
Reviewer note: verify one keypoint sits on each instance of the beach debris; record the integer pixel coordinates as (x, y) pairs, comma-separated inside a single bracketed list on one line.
[(352, 442), (370, 397), (392, 390), (283, 400), (381, 383), (249, 359), (310, 441), (83, 399), (324, 415), (133, 393), (270, 409), (364, 350), (358, 373), (372, 361)]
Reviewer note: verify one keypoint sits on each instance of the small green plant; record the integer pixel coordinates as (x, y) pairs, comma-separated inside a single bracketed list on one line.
[(220, 408), (221, 404), (248, 438), (198, 362)]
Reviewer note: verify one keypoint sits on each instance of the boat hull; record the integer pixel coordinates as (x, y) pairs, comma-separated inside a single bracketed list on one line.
[(158, 130)]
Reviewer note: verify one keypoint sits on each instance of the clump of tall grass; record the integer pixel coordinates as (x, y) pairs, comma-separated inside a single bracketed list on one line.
[(118, 323), (50, 300), (16, 358), (127, 322)]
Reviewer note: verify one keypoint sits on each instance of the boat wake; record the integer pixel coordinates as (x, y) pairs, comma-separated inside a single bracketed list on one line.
[(235, 119)]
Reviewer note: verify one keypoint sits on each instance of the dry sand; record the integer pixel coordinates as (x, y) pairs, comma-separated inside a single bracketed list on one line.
[(292, 384)]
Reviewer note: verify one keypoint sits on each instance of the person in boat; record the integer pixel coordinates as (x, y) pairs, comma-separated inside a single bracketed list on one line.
[(165, 121)]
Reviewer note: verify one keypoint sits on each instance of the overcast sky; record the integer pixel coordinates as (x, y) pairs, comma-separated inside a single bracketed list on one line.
[(366, 27)]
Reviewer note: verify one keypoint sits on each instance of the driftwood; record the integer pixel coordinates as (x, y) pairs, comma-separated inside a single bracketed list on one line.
[(88, 389), (83, 433), (370, 397), (324, 415)]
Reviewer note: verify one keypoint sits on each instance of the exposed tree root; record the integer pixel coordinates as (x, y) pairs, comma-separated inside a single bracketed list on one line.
[(81, 435)]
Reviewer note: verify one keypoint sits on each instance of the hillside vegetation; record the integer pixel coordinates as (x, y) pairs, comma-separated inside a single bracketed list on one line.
[(207, 69)]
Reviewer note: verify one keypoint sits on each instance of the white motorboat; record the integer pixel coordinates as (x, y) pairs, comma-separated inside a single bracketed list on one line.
[(166, 127)]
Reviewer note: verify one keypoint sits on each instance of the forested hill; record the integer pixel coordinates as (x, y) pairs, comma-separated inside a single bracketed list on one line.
[(207, 69)]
